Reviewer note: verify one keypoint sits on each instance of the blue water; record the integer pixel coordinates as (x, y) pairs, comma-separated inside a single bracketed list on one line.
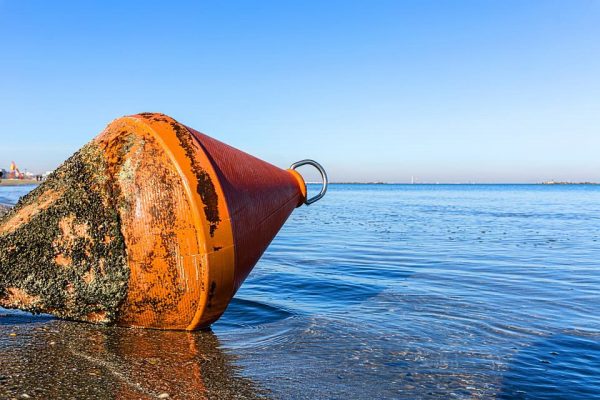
[(424, 291)]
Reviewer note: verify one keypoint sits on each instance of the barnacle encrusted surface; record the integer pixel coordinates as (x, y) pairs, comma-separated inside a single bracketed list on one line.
[(61, 248)]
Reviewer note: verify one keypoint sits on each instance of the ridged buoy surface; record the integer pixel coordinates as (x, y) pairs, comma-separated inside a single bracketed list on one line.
[(151, 224)]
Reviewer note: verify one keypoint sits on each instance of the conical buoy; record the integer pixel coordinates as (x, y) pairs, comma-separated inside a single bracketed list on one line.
[(151, 224)]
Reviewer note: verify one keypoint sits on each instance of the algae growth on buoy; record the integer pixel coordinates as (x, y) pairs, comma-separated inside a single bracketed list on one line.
[(61, 248)]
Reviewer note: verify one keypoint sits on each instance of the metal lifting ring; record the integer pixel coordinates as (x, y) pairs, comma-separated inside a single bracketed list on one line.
[(321, 170)]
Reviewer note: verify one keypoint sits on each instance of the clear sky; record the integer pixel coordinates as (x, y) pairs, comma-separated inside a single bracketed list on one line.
[(448, 91)]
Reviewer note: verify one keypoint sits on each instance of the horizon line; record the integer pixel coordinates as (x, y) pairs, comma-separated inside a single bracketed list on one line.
[(546, 183)]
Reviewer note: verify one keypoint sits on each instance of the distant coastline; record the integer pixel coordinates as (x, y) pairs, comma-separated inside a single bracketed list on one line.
[(457, 183), (18, 182), (569, 183), (23, 182)]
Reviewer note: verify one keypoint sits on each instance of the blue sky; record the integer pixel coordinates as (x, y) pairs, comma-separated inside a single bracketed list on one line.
[(446, 91)]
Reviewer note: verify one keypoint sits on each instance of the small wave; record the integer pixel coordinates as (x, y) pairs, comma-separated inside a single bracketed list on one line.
[(242, 313)]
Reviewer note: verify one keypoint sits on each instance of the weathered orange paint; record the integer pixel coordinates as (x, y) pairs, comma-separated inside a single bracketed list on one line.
[(223, 208)]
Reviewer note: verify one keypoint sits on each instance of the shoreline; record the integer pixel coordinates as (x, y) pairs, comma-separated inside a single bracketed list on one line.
[(25, 182), (462, 183), (18, 182)]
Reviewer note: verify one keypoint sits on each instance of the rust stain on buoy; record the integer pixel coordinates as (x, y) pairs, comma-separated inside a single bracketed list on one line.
[(152, 224)]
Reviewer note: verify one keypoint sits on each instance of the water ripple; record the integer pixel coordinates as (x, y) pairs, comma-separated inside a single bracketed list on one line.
[(425, 291)]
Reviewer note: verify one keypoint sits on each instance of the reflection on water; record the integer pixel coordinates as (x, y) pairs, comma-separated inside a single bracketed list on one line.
[(378, 291), (52, 359)]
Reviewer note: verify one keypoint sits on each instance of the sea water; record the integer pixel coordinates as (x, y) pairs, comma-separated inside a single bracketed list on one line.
[(382, 291)]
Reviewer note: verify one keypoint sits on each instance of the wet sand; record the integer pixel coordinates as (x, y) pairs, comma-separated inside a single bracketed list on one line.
[(46, 358)]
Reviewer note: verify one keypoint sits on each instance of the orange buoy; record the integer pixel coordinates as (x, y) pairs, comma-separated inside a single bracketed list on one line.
[(151, 224)]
